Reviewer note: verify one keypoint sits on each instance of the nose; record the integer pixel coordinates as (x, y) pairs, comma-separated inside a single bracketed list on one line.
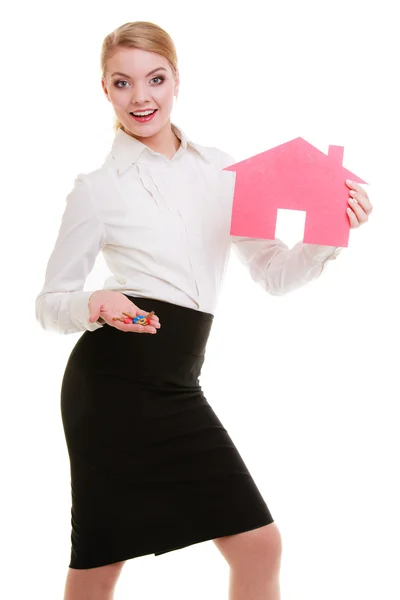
[(139, 96)]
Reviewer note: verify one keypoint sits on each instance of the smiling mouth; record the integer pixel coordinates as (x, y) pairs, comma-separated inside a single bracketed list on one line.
[(143, 114)]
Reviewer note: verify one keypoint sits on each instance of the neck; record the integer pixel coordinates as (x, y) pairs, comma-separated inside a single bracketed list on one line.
[(165, 141)]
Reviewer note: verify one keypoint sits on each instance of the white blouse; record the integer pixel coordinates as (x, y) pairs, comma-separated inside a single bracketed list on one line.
[(163, 227)]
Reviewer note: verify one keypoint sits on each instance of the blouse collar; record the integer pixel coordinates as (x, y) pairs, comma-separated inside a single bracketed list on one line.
[(126, 149)]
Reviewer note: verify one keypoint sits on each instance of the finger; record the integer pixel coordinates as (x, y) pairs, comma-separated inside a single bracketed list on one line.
[(149, 325), (142, 328), (94, 312), (155, 324), (358, 210), (154, 321), (132, 327), (355, 186), (363, 201), (354, 222), (132, 316), (136, 328)]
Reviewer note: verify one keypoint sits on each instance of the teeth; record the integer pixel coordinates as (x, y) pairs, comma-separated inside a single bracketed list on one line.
[(143, 114)]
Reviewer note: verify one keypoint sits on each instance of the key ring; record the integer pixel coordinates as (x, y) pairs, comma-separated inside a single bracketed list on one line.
[(129, 318)]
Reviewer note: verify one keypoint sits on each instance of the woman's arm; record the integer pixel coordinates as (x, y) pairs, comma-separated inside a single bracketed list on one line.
[(272, 264), (61, 305), (280, 269)]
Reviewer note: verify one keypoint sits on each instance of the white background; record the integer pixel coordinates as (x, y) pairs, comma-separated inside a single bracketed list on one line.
[(309, 389)]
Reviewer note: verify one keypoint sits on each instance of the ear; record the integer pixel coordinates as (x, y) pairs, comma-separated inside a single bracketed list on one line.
[(105, 90), (177, 83)]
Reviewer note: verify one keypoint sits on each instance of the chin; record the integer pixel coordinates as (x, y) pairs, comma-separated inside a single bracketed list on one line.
[(143, 130)]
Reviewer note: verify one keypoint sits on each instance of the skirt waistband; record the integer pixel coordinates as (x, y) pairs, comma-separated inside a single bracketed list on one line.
[(185, 328)]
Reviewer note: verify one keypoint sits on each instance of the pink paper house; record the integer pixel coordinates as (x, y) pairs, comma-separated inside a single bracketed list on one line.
[(297, 176)]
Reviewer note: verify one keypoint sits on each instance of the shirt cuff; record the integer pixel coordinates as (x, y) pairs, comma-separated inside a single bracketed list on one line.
[(79, 311), (322, 253)]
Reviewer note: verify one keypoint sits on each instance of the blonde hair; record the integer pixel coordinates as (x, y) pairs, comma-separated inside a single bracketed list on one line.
[(144, 36)]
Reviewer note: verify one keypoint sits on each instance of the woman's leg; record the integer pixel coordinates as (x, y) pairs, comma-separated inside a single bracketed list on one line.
[(92, 584), (254, 558)]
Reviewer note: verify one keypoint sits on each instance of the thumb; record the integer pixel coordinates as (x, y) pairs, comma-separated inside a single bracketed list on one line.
[(94, 310)]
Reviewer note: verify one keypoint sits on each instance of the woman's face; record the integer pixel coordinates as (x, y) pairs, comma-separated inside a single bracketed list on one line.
[(137, 80)]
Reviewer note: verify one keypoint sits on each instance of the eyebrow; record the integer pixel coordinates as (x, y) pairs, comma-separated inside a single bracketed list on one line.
[(148, 74)]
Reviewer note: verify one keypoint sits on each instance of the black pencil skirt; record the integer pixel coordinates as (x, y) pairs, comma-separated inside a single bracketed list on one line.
[(152, 467)]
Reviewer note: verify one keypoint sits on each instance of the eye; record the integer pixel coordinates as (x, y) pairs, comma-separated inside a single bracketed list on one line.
[(160, 77)]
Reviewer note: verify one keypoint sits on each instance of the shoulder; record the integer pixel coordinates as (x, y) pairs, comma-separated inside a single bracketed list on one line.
[(216, 156), (97, 185), (99, 176), (224, 159)]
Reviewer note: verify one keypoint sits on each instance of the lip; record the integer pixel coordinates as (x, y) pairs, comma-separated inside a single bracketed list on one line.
[(144, 119)]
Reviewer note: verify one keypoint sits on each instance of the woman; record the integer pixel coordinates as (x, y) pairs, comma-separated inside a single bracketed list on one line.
[(152, 467)]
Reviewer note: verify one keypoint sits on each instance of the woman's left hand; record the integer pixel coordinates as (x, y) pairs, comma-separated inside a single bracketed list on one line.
[(360, 206)]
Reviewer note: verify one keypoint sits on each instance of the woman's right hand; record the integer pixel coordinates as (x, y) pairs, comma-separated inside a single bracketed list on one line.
[(108, 304)]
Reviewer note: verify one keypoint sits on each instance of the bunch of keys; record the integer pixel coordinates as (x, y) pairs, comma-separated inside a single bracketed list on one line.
[(129, 318)]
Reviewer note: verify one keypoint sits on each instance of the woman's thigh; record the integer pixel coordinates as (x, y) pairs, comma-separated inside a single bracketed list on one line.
[(85, 583), (261, 546)]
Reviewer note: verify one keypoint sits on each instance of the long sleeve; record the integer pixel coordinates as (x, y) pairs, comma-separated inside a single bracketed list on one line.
[(61, 305), (280, 269)]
